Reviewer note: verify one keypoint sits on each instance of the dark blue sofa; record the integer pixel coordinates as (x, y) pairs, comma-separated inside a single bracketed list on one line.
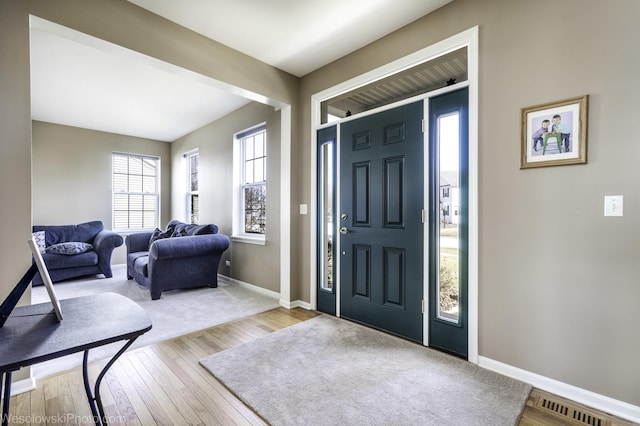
[(96, 260), (183, 256)]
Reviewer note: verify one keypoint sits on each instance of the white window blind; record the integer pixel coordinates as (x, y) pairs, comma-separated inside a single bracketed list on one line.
[(135, 192)]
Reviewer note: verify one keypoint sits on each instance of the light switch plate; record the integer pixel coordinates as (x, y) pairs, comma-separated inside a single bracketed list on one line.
[(303, 209), (613, 205)]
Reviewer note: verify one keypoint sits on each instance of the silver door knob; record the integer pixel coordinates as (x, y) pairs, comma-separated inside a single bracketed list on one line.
[(344, 230)]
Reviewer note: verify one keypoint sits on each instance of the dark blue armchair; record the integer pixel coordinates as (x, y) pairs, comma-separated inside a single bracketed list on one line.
[(183, 256)]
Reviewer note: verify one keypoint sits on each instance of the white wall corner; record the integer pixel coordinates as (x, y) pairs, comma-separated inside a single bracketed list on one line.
[(295, 304), (590, 399)]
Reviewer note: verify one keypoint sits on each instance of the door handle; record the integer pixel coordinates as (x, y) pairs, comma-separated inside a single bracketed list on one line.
[(344, 230)]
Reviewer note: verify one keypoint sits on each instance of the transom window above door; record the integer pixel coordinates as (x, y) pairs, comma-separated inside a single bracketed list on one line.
[(442, 71)]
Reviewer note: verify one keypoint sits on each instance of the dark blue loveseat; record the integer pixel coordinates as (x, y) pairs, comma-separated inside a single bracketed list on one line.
[(95, 260), (182, 256)]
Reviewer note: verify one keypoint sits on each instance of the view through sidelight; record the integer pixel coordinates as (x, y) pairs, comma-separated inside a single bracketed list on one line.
[(326, 201), (449, 206), (327, 219)]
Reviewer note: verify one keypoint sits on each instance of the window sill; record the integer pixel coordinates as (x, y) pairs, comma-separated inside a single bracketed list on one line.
[(260, 241), (125, 232)]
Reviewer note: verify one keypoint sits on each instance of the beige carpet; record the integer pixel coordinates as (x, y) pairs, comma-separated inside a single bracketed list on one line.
[(328, 371), (176, 313)]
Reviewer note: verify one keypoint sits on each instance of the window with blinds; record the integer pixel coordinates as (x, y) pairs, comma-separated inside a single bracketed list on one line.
[(136, 192)]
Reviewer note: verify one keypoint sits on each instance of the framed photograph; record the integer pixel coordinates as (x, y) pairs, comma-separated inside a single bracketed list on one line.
[(555, 134)]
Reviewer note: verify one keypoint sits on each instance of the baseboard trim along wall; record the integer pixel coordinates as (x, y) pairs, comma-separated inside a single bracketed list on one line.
[(295, 304), (591, 399), (284, 303), (253, 287), (22, 386)]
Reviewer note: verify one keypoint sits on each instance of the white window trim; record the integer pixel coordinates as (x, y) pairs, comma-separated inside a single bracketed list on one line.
[(127, 231), (238, 235), (187, 156)]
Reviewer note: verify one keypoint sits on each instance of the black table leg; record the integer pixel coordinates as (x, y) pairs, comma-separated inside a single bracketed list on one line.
[(7, 398), (95, 402)]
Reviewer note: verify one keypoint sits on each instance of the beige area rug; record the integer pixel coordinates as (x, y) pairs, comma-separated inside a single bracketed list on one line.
[(176, 313), (329, 371)]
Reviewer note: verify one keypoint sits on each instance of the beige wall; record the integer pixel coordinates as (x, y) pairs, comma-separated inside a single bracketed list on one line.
[(558, 284), (254, 264), (72, 175), (15, 151)]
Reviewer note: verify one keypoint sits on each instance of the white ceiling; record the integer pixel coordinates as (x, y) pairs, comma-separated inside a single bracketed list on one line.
[(80, 81), (297, 36)]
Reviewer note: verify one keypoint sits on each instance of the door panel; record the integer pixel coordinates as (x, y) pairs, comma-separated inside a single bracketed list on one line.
[(381, 201), (361, 190), (448, 226)]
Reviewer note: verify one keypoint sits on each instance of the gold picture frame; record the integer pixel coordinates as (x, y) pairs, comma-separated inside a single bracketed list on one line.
[(555, 134)]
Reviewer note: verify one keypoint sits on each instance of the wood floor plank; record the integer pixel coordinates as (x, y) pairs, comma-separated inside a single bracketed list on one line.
[(22, 404), (66, 406), (173, 387), (125, 408), (78, 394), (37, 409), (95, 368), (176, 408), (222, 397), (154, 406), (209, 409), (50, 391), (140, 409), (227, 398)]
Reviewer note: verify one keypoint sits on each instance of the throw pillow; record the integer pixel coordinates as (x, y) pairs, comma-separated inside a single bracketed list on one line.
[(159, 234), (38, 237), (69, 248), (192, 229), (179, 233)]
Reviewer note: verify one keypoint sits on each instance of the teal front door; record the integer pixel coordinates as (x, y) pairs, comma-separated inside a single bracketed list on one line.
[(380, 220)]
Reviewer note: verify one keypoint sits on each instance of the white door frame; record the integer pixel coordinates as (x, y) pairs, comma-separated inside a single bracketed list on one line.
[(470, 39)]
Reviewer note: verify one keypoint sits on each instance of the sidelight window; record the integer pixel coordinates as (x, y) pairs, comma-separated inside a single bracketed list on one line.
[(448, 235)]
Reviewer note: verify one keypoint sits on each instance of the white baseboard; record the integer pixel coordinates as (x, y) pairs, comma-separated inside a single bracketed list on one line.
[(295, 304), (284, 303), (21, 386), (253, 287), (591, 399)]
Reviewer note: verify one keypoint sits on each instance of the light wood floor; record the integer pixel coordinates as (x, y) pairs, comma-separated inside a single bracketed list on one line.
[(163, 384)]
